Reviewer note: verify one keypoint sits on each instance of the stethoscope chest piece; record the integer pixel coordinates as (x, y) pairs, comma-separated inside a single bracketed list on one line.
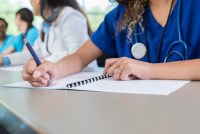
[(138, 50)]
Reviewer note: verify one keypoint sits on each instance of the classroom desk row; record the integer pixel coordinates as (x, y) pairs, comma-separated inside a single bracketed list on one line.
[(79, 112)]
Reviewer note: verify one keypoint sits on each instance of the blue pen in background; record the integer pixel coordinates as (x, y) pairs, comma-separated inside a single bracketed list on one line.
[(35, 57)]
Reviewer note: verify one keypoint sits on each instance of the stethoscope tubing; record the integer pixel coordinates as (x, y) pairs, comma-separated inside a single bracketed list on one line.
[(179, 41)]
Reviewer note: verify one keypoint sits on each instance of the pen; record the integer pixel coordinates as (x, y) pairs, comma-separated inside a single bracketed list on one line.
[(35, 57)]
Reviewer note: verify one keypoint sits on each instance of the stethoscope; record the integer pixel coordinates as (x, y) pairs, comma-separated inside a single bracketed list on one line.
[(46, 27), (139, 50)]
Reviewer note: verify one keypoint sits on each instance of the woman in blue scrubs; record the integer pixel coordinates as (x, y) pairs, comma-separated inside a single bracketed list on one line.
[(167, 33)]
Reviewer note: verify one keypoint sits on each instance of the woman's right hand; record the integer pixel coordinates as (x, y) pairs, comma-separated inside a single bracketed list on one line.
[(39, 76)]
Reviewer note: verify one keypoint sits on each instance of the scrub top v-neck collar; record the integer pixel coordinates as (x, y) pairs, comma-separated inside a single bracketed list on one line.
[(154, 23)]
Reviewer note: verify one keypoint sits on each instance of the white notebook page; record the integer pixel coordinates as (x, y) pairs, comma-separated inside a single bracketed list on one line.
[(154, 87)]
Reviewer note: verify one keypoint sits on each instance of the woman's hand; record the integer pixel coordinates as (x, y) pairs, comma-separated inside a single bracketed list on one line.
[(39, 76), (128, 69)]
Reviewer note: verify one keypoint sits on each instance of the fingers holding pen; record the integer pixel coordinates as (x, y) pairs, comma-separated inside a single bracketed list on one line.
[(38, 76), (28, 69), (46, 68)]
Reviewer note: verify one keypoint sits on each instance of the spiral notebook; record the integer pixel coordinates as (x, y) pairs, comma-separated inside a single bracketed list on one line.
[(93, 81)]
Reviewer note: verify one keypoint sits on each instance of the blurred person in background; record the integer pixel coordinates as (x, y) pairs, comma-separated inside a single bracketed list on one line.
[(24, 19), (5, 40)]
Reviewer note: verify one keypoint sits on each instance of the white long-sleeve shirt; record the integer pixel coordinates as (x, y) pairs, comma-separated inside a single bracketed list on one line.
[(67, 33)]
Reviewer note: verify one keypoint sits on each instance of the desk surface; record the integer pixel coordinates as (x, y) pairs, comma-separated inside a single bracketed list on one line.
[(80, 112)]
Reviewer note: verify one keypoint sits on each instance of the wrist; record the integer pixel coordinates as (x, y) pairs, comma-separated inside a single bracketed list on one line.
[(157, 71), (58, 67), (153, 71)]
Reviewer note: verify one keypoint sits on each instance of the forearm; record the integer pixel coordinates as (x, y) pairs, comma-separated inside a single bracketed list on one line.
[(183, 70), (9, 50), (69, 65), (76, 62)]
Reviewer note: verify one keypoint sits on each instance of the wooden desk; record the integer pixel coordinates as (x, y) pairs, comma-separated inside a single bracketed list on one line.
[(78, 112)]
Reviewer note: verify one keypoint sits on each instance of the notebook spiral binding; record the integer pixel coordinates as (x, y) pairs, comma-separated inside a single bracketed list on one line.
[(83, 82)]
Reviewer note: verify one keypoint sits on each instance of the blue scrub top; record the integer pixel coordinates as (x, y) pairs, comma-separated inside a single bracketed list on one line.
[(114, 43), (7, 43), (32, 35)]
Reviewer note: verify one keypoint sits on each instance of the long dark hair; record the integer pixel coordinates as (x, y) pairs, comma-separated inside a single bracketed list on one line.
[(61, 3), (27, 16)]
